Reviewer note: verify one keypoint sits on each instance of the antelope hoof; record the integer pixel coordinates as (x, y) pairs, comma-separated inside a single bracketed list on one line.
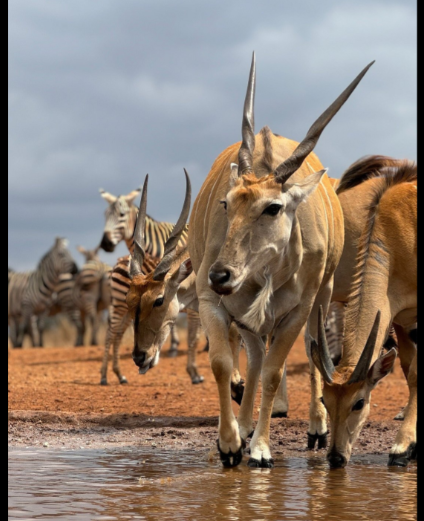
[(237, 391), (399, 416), (197, 379), (412, 450), (261, 464), (123, 380), (322, 440), (173, 351), (398, 460), (279, 415), (103, 381), (232, 459)]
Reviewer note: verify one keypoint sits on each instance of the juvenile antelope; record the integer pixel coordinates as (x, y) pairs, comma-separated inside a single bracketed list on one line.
[(265, 261), (384, 291)]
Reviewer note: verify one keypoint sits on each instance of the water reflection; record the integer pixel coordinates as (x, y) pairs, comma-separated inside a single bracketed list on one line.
[(135, 484)]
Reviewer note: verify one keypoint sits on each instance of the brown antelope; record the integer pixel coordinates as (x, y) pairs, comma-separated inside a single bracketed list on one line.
[(266, 261), (384, 291), (156, 297)]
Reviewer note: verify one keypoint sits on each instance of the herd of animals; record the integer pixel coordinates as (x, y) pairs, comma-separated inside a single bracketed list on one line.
[(273, 247)]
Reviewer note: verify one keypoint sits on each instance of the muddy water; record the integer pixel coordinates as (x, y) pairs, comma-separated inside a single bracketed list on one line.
[(165, 485)]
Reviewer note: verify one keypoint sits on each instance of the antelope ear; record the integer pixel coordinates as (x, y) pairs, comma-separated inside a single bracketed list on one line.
[(107, 196), (234, 174), (132, 195), (183, 272), (302, 190), (381, 367)]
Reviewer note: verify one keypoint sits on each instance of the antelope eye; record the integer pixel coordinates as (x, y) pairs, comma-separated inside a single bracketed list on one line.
[(224, 204), (158, 302), (358, 405), (272, 209)]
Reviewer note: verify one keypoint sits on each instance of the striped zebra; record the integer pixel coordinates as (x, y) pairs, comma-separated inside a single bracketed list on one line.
[(121, 216), (30, 294), (83, 296), (92, 290)]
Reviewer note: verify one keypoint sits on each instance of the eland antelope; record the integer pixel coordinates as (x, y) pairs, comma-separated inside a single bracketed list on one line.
[(383, 291), (156, 297), (121, 216), (265, 261)]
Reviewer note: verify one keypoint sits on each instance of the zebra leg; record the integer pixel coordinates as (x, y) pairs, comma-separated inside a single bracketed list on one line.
[(40, 325), (79, 323), (13, 330), (193, 332), (117, 316), (34, 332), (94, 328), (175, 342), (116, 343)]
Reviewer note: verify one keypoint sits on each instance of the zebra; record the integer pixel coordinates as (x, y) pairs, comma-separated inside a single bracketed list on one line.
[(83, 296), (30, 293), (93, 289)]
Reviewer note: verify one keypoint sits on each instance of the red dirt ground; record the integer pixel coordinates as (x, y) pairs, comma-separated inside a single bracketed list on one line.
[(66, 380)]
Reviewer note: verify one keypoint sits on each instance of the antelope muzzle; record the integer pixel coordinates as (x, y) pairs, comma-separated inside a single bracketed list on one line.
[(221, 279)]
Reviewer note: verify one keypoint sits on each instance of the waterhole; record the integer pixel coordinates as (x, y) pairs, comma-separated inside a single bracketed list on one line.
[(167, 485)]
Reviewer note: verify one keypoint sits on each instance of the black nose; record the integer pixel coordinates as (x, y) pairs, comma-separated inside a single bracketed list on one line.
[(336, 460), (219, 277), (139, 359), (107, 244)]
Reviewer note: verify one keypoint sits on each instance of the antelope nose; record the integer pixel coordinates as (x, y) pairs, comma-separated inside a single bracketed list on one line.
[(336, 460), (219, 277), (139, 359)]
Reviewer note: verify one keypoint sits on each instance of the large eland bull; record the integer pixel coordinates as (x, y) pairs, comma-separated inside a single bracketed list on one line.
[(266, 262)]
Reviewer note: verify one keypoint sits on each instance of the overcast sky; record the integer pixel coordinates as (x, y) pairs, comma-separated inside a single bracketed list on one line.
[(103, 92)]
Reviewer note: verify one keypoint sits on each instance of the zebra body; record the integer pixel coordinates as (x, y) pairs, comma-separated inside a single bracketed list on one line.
[(83, 297), (30, 294)]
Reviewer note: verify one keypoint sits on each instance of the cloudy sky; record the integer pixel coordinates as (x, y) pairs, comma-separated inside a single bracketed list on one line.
[(103, 92)]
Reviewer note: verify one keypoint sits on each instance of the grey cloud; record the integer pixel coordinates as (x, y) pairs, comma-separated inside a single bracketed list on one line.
[(100, 93)]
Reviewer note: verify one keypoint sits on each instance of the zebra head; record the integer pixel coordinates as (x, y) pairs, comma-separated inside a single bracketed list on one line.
[(89, 255), (121, 215), (60, 259)]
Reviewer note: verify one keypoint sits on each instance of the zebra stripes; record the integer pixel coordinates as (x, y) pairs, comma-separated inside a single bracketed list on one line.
[(85, 296), (30, 294)]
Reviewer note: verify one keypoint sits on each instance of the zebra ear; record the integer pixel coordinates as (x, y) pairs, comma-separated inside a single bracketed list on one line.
[(129, 198), (81, 249), (107, 196)]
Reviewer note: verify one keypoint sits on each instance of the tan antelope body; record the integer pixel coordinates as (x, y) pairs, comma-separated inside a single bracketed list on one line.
[(266, 261), (384, 291)]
